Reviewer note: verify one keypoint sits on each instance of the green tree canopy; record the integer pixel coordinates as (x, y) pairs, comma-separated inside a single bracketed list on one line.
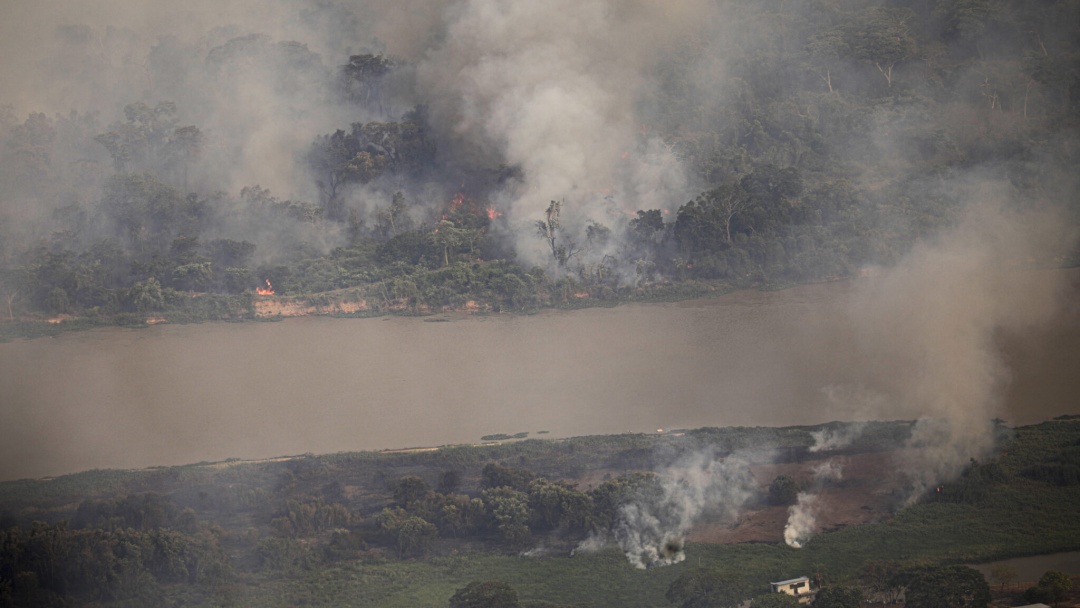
[(946, 587), (1054, 585), (774, 600), (705, 588), (838, 596), (489, 594), (783, 491)]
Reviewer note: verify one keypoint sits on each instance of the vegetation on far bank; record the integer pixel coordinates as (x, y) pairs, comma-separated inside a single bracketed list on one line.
[(836, 142)]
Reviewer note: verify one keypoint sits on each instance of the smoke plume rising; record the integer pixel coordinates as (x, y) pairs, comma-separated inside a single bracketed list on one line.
[(927, 327), (551, 87), (801, 522), (651, 530), (833, 439)]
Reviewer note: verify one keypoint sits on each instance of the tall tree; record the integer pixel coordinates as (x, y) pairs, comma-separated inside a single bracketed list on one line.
[(838, 596), (704, 588), (946, 587)]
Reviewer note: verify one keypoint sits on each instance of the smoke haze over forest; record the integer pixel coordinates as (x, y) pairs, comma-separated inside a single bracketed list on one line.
[(163, 159)]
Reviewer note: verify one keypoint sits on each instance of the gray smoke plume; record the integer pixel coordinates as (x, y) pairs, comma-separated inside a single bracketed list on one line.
[(552, 88), (828, 472), (651, 529), (833, 439), (927, 327), (802, 516)]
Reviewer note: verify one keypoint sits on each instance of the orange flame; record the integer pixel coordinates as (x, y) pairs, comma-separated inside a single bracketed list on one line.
[(492, 213), (269, 291)]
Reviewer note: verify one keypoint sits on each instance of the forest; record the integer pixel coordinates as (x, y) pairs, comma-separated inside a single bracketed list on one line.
[(773, 143)]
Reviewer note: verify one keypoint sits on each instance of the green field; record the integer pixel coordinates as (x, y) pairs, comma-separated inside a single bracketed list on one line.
[(226, 526)]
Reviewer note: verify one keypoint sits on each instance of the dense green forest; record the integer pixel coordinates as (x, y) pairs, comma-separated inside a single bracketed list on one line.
[(412, 528), (812, 138)]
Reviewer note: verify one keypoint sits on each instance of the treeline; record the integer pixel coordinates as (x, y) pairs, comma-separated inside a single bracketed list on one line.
[(837, 137), (125, 550), (513, 509)]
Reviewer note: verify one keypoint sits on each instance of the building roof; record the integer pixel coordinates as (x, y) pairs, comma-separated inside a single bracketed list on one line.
[(792, 580)]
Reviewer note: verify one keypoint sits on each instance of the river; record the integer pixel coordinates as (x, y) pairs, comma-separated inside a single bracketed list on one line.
[(174, 394)]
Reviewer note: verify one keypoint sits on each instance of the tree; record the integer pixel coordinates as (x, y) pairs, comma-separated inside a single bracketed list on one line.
[(415, 535), (556, 505), (490, 594), (182, 149), (149, 140), (449, 482), (774, 600), (394, 219), (946, 587), (494, 475), (704, 588), (148, 212), (825, 50), (193, 277), (410, 489), (838, 597), (704, 224), (546, 228), (58, 300), (647, 223), (549, 229), (447, 237), (884, 578), (1055, 585), (458, 514), (1003, 574), (339, 159), (146, 295), (509, 512), (880, 37), (783, 491), (361, 79)]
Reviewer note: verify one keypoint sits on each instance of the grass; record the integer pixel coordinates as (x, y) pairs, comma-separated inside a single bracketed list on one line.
[(1016, 517)]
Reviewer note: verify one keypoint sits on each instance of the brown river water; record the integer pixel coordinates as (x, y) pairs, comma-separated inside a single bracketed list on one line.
[(172, 394)]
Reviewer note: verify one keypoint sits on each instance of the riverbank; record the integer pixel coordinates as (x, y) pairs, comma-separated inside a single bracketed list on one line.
[(174, 393), (368, 301)]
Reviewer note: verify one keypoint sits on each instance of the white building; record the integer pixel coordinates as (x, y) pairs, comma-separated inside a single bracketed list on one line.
[(797, 587)]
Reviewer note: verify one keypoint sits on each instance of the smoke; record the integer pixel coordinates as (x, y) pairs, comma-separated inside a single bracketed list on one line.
[(551, 88), (651, 528), (927, 328), (802, 520), (829, 471), (834, 439), (554, 89), (802, 516)]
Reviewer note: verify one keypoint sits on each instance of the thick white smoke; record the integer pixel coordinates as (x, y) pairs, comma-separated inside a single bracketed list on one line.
[(802, 520), (833, 439), (802, 516), (651, 530), (551, 87)]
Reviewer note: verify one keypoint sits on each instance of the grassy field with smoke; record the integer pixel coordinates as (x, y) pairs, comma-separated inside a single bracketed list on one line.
[(312, 530)]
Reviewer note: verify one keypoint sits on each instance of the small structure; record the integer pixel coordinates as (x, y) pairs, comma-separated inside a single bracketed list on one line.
[(797, 587)]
